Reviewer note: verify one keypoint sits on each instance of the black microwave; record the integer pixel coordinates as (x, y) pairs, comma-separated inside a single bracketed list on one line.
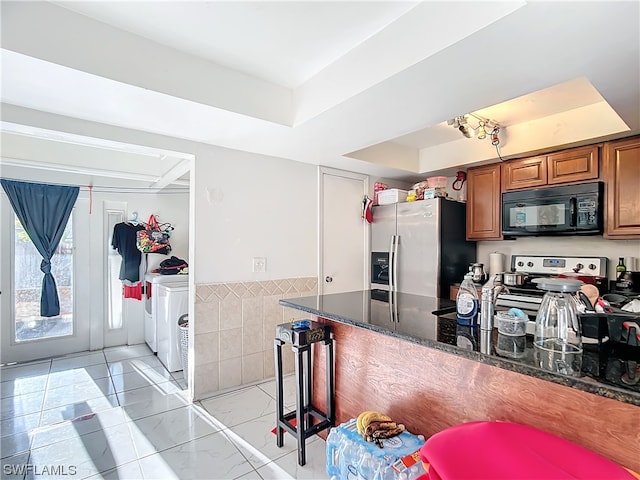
[(564, 210)]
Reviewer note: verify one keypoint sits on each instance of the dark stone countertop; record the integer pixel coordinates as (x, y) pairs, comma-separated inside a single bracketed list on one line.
[(431, 322)]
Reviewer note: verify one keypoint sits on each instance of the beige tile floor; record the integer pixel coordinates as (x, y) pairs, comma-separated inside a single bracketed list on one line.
[(119, 414)]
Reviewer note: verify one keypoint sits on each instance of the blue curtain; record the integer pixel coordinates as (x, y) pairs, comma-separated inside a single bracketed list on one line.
[(44, 212)]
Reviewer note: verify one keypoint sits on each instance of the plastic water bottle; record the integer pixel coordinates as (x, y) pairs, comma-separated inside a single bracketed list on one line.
[(333, 445), (467, 302)]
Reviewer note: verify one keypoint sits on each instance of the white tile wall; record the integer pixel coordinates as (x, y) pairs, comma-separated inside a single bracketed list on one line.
[(235, 327)]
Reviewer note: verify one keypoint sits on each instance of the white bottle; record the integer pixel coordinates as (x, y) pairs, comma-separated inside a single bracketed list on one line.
[(467, 302)]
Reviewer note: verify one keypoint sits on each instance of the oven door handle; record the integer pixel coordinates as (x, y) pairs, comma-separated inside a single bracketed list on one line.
[(573, 212)]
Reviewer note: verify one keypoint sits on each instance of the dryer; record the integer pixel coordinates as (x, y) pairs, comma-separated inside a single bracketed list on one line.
[(173, 302), (152, 280)]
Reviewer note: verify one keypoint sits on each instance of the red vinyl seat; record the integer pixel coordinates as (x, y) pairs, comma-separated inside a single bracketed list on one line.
[(509, 451)]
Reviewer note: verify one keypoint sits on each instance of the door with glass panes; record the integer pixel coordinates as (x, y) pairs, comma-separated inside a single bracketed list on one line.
[(26, 335)]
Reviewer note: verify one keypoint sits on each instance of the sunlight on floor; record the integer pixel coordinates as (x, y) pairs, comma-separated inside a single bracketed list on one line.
[(118, 413)]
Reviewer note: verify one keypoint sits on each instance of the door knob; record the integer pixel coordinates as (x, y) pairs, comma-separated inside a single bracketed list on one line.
[(328, 279)]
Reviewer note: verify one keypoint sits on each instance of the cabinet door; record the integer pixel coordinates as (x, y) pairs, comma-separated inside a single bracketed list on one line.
[(524, 173), (483, 203), (621, 172), (575, 165)]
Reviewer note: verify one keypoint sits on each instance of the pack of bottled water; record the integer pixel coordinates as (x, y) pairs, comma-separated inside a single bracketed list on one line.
[(351, 457)]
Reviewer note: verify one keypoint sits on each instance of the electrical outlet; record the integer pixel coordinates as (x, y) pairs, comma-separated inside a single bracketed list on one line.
[(259, 264)]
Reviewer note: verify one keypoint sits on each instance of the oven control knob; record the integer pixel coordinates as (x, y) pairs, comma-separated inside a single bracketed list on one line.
[(520, 263), (579, 267), (529, 264), (592, 266)]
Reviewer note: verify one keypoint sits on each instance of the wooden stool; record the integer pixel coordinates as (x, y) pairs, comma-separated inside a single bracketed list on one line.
[(301, 341)]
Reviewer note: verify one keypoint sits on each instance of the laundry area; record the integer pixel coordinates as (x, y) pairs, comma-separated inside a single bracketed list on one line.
[(163, 290), (121, 262), (166, 302)]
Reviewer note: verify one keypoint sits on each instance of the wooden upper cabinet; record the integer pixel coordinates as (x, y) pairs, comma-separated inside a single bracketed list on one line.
[(524, 173), (483, 203), (575, 165), (621, 173)]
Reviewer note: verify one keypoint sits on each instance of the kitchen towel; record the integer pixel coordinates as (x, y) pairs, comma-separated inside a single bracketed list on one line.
[(496, 263)]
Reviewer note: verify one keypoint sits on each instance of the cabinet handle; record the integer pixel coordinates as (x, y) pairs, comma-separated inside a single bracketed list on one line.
[(328, 279)]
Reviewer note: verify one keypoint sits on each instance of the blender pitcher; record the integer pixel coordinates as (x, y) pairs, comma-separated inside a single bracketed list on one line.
[(557, 341)]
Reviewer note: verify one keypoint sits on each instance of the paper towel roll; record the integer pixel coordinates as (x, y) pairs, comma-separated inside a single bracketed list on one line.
[(631, 263), (496, 263)]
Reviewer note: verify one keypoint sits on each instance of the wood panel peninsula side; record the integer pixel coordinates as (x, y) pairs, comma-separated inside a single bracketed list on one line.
[(408, 371)]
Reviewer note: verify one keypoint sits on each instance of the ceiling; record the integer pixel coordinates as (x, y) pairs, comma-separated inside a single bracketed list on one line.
[(365, 86), (254, 38)]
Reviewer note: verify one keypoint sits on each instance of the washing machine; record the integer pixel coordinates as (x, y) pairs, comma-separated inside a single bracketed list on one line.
[(173, 302), (152, 280)]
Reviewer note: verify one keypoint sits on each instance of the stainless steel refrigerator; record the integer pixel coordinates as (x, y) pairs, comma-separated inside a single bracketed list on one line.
[(420, 247)]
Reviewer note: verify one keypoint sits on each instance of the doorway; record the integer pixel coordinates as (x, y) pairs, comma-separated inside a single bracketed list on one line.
[(26, 335), (344, 234), (129, 178)]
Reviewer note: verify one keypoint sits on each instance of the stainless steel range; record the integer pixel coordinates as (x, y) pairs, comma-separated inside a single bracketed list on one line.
[(528, 297)]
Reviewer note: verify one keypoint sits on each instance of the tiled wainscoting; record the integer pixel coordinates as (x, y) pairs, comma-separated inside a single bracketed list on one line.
[(235, 327)]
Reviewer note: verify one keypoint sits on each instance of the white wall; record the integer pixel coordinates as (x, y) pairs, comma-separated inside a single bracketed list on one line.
[(250, 205), (268, 206)]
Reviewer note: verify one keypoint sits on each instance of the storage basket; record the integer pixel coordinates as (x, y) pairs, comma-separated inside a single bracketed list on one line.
[(183, 327), (437, 182), (391, 195)]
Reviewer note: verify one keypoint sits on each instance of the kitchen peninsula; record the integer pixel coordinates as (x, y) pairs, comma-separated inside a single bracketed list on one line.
[(412, 370)]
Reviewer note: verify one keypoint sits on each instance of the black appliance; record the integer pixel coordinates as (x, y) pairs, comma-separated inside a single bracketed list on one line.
[(566, 210), (380, 268)]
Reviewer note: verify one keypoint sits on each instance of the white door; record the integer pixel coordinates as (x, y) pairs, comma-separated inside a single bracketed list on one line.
[(25, 335), (344, 234)]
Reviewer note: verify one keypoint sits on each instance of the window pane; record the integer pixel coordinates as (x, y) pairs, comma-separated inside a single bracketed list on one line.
[(114, 284), (28, 287)]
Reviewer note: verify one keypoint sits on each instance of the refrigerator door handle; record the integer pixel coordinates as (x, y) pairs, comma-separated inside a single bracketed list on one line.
[(391, 276), (394, 272), (394, 293), (391, 265), (394, 302)]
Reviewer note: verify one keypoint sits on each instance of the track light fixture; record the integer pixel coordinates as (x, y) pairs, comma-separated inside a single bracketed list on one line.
[(485, 125), (482, 133)]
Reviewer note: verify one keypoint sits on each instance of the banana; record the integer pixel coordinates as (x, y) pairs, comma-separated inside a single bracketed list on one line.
[(364, 421), (375, 426), (359, 421), (392, 432), (369, 417)]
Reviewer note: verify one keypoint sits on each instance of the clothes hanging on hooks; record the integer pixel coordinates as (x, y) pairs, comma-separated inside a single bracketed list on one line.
[(134, 219), (132, 290), (124, 241)]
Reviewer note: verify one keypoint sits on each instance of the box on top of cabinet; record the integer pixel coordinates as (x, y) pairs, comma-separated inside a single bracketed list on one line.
[(391, 195)]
